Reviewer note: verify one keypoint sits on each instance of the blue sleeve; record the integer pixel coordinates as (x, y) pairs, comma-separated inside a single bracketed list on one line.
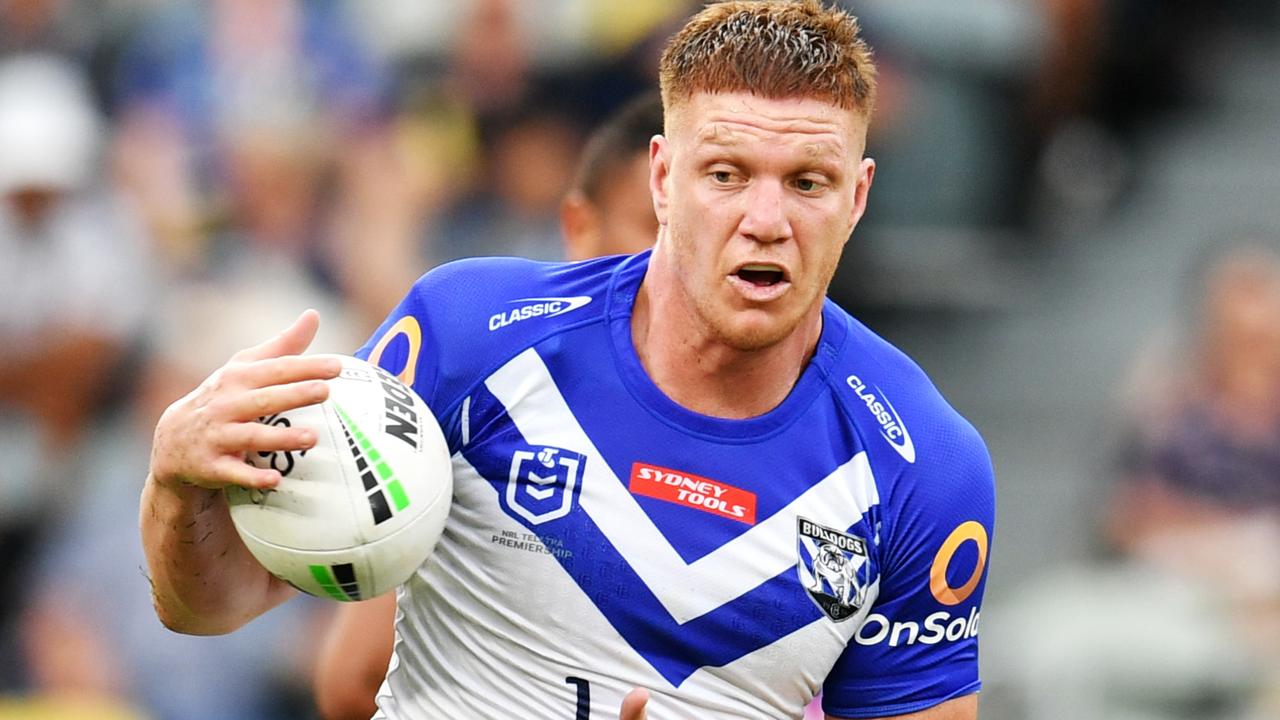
[(411, 341), (918, 646), (464, 319)]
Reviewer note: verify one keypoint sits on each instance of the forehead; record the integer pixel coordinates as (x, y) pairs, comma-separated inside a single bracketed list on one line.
[(739, 119)]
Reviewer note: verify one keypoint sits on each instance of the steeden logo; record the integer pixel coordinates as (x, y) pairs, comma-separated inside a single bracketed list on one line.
[(535, 308), (694, 492), (891, 426)]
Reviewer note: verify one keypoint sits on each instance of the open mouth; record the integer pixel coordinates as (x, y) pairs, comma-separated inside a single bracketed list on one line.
[(761, 275)]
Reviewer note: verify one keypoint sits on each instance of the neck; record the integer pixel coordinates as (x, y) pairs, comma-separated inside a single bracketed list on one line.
[(697, 370)]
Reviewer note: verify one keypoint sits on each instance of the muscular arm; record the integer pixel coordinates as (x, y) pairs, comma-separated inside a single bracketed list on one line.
[(195, 558), (354, 658), (961, 708), (204, 580)]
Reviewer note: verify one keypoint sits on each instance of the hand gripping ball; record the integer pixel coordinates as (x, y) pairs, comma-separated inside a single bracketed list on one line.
[(357, 514)]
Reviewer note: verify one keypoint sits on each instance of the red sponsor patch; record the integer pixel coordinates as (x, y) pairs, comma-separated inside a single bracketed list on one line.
[(693, 491)]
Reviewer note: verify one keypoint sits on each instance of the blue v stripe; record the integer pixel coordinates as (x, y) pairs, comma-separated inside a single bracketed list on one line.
[(760, 617)]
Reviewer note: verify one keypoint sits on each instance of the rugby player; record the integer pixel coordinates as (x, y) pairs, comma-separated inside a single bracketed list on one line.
[(700, 478)]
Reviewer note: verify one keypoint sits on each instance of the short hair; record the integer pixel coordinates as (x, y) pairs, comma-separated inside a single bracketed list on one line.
[(624, 134), (773, 49)]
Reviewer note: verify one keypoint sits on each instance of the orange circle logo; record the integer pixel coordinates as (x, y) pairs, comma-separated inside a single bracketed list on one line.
[(943, 592), (408, 327)]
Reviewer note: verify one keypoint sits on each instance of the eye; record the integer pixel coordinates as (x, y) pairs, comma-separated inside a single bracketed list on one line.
[(807, 185), (723, 177)]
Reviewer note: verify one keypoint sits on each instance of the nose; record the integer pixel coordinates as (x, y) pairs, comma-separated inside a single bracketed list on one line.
[(764, 217)]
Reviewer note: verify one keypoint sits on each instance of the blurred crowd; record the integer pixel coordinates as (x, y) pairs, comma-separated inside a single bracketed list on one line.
[(178, 179)]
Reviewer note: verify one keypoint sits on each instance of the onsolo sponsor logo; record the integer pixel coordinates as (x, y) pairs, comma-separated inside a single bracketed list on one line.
[(939, 626), (942, 625)]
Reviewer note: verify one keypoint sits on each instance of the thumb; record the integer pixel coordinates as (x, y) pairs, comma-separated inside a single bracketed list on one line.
[(293, 340), (633, 705)]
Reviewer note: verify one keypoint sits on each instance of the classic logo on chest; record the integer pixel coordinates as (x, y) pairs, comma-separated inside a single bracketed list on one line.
[(694, 492)]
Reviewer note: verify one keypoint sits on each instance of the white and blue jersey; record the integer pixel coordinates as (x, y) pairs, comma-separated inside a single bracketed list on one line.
[(603, 537)]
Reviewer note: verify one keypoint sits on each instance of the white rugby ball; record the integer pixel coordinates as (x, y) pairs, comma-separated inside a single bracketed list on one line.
[(357, 514)]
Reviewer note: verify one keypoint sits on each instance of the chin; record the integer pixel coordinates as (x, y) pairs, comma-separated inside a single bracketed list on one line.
[(751, 334)]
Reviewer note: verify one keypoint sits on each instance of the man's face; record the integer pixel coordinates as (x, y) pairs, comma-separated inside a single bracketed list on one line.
[(620, 221), (758, 197), (627, 222)]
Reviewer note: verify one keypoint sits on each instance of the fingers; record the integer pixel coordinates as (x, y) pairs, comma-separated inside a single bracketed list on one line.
[(239, 438), (217, 458), (633, 705), (259, 402), (293, 340), (228, 470), (284, 370)]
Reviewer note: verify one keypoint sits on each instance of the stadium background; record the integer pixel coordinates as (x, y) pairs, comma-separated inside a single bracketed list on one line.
[(182, 177)]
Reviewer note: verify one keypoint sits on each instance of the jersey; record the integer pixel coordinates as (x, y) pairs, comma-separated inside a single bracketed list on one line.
[(604, 537)]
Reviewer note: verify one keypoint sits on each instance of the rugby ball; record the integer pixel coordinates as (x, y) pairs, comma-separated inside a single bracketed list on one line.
[(357, 514)]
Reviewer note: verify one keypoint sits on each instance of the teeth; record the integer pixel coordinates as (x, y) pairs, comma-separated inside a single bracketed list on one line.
[(762, 268)]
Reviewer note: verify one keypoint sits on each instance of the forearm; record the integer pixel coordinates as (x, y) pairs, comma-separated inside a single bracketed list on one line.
[(354, 658), (204, 581)]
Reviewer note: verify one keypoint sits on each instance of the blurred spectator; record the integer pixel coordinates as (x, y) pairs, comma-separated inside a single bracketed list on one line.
[(527, 169), (232, 119), (1184, 620), (208, 90), (1207, 426), (47, 26), (1201, 493), (549, 36), (73, 289)]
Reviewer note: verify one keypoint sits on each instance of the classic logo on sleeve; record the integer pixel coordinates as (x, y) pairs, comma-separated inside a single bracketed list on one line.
[(891, 426), (834, 568), (694, 492)]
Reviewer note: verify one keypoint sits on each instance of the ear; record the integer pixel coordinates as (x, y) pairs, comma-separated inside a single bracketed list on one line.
[(580, 226), (659, 174), (862, 187)]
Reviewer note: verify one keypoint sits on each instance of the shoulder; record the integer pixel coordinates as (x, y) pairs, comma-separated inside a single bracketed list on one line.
[(465, 318), (492, 294), (887, 392), (925, 455)]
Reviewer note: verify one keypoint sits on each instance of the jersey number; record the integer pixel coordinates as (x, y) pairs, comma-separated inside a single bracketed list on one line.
[(584, 697)]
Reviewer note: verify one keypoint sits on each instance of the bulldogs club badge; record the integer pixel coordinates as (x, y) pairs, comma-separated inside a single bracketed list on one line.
[(834, 568)]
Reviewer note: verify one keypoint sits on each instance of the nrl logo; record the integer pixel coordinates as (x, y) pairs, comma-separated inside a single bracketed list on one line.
[(834, 568), (542, 484)]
